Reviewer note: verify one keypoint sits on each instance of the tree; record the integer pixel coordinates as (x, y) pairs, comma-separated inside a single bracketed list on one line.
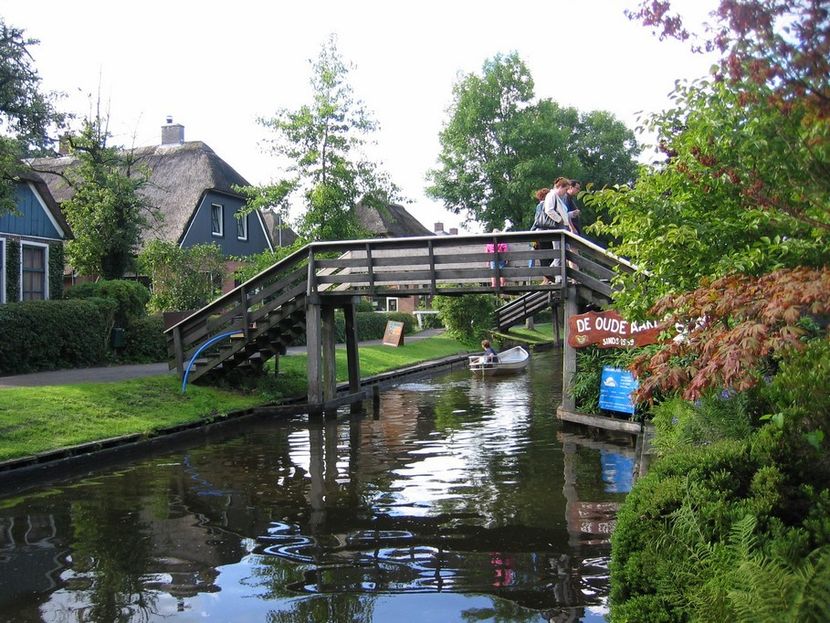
[(26, 113), (741, 190), (106, 212), (182, 279), (499, 146), (322, 143)]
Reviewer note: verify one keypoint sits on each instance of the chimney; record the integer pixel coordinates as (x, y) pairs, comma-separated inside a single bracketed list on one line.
[(439, 228), (172, 133), (453, 231)]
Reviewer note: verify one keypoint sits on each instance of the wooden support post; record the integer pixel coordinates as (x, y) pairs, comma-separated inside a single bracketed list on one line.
[(246, 321), (313, 331), (328, 340), (568, 353), (352, 353), (178, 350)]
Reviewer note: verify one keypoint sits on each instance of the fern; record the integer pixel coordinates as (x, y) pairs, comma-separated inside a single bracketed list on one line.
[(771, 591)]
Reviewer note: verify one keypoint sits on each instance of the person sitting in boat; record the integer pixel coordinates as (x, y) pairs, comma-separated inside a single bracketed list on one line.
[(490, 355)]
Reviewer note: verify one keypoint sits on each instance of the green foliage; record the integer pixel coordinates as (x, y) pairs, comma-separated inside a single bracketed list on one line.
[(468, 317), (498, 146), (707, 211), (56, 266), (130, 297), (681, 423), (145, 341), (323, 142), (12, 270), (106, 212), (49, 335), (729, 507), (252, 265), (182, 279)]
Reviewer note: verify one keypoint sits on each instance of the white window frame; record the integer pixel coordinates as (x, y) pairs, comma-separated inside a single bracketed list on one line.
[(243, 220), (221, 232), (45, 247), (4, 244), (393, 300)]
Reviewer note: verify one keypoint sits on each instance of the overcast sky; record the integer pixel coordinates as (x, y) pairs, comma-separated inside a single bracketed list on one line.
[(216, 66)]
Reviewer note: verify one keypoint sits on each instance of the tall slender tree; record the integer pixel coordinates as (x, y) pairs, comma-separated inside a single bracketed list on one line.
[(322, 144), (107, 212)]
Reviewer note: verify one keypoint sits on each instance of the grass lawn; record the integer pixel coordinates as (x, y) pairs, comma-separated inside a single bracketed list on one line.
[(39, 419)]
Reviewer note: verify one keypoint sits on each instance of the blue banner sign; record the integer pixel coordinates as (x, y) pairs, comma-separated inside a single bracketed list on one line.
[(615, 390)]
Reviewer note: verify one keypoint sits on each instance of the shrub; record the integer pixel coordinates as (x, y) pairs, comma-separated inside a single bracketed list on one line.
[(131, 297), (145, 341), (468, 317), (49, 335)]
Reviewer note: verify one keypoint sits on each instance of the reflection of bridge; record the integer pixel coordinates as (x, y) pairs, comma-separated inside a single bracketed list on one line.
[(300, 293)]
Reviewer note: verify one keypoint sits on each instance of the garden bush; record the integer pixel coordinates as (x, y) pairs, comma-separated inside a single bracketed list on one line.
[(145, 341), (732, 522), (131, 297), (468, 318), (50, 335)]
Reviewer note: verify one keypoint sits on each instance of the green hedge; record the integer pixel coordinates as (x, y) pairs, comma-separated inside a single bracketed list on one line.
[(50, 335), (145, 341), (130, 297), (12, 270)]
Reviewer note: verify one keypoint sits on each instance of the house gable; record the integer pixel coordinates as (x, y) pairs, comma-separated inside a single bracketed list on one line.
[(214, 221), (33, 218)]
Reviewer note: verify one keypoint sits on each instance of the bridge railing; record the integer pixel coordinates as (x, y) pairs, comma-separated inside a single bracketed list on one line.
[(459, 264)]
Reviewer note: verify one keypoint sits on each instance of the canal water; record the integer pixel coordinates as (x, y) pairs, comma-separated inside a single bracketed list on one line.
[(461, 499)]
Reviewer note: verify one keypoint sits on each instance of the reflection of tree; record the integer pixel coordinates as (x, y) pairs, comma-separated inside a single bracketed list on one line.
[(112, 548), (323, 609)]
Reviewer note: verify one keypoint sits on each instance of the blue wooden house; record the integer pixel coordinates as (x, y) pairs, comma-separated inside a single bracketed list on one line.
[(31, 244)]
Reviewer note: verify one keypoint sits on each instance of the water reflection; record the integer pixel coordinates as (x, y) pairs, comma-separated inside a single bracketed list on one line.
[(463, 501)]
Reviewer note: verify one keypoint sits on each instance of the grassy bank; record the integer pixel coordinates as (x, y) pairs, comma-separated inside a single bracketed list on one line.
[(40, 419), (540, 334)]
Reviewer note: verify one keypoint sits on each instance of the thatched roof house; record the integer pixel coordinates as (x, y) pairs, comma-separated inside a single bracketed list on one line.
[(390, 221), (192, 189)]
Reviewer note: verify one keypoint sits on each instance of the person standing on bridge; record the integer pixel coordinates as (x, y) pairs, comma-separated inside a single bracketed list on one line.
[(540, 204), (500, 247), (573, 209), (556, 211)]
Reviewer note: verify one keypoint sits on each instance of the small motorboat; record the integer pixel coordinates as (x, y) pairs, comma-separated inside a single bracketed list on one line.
[(512, 360)]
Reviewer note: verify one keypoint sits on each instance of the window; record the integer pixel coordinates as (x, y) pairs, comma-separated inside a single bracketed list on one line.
[(392, 304), (242, 227), (33, 272), (217, 225)]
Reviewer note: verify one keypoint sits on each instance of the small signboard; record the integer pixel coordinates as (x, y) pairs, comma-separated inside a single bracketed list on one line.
[(615, 390), (609, 330), (394, 334)]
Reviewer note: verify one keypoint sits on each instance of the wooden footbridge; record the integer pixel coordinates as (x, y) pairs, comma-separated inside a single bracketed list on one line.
[(258, 319)]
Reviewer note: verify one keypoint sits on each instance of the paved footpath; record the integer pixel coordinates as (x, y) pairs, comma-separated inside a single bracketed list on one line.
[(109, 374)]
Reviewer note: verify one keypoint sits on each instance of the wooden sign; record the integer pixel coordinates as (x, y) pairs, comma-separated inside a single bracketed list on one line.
[(609, 330), (394, 334)]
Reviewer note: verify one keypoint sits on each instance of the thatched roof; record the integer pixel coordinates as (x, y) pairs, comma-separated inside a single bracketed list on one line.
[(180, 174), (390, 221)]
